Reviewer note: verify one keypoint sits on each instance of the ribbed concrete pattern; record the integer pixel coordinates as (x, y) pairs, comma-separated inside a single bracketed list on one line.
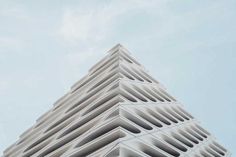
[(118, 109)]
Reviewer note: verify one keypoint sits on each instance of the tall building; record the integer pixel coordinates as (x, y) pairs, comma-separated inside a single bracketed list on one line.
[(117, 110)]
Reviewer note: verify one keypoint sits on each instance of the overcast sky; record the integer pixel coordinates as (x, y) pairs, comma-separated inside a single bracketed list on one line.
[(189, 46)]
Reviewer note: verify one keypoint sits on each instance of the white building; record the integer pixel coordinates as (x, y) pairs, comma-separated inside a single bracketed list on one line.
[(117, 109)]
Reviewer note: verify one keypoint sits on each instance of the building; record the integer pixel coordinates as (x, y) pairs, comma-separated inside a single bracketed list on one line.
[(117, 109)]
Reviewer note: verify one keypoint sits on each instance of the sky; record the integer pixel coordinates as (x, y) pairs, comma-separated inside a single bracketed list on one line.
[(188, 46)]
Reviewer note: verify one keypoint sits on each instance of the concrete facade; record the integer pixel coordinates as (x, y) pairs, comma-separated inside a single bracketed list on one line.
[(117, 109)]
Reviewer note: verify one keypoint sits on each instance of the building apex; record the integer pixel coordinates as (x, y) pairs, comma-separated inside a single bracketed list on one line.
[(118, 47)]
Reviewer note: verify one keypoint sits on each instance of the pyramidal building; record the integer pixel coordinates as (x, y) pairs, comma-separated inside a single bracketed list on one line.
[(117, 110)]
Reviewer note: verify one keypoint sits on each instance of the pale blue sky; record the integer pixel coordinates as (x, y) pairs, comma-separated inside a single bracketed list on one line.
[(189, 46)]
